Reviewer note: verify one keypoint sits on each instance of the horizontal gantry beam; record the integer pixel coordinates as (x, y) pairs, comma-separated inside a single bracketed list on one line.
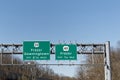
[(55, 44), (82, 52), (81, 48), (98, 64), (11, 49)]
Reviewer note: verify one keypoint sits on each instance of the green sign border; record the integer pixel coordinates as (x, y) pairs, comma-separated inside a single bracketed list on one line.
[(38, 51), (61, 54)]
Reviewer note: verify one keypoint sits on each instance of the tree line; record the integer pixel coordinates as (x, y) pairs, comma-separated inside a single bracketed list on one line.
[(27, 72), (96, 72)]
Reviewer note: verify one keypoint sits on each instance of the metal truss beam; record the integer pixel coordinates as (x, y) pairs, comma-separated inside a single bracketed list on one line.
[(81, 49)]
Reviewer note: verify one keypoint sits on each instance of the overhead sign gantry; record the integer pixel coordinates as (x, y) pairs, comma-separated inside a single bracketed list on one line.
[(41, 51)]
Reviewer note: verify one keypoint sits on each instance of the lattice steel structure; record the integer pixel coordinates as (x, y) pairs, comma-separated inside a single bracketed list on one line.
[(13, 49)]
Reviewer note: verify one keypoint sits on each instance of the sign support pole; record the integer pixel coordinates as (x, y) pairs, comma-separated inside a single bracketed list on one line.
[(107, 66)]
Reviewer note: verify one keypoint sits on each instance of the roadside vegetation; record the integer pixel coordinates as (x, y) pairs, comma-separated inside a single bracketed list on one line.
[(96, 72)]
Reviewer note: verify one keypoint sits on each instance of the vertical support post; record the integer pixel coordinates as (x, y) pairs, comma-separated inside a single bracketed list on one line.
[(1, 54), (107, 66), (93, 54), (12, 53)]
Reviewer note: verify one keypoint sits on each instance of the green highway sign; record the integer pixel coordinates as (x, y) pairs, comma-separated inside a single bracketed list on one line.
[(36, 50), (66, 52)]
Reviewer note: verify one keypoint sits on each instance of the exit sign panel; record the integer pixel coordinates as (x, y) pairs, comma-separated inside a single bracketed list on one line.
[(36, 50), (66, 52)]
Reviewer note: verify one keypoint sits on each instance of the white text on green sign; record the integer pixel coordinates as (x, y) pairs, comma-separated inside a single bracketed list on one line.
[(66, 52), (36, 50)]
